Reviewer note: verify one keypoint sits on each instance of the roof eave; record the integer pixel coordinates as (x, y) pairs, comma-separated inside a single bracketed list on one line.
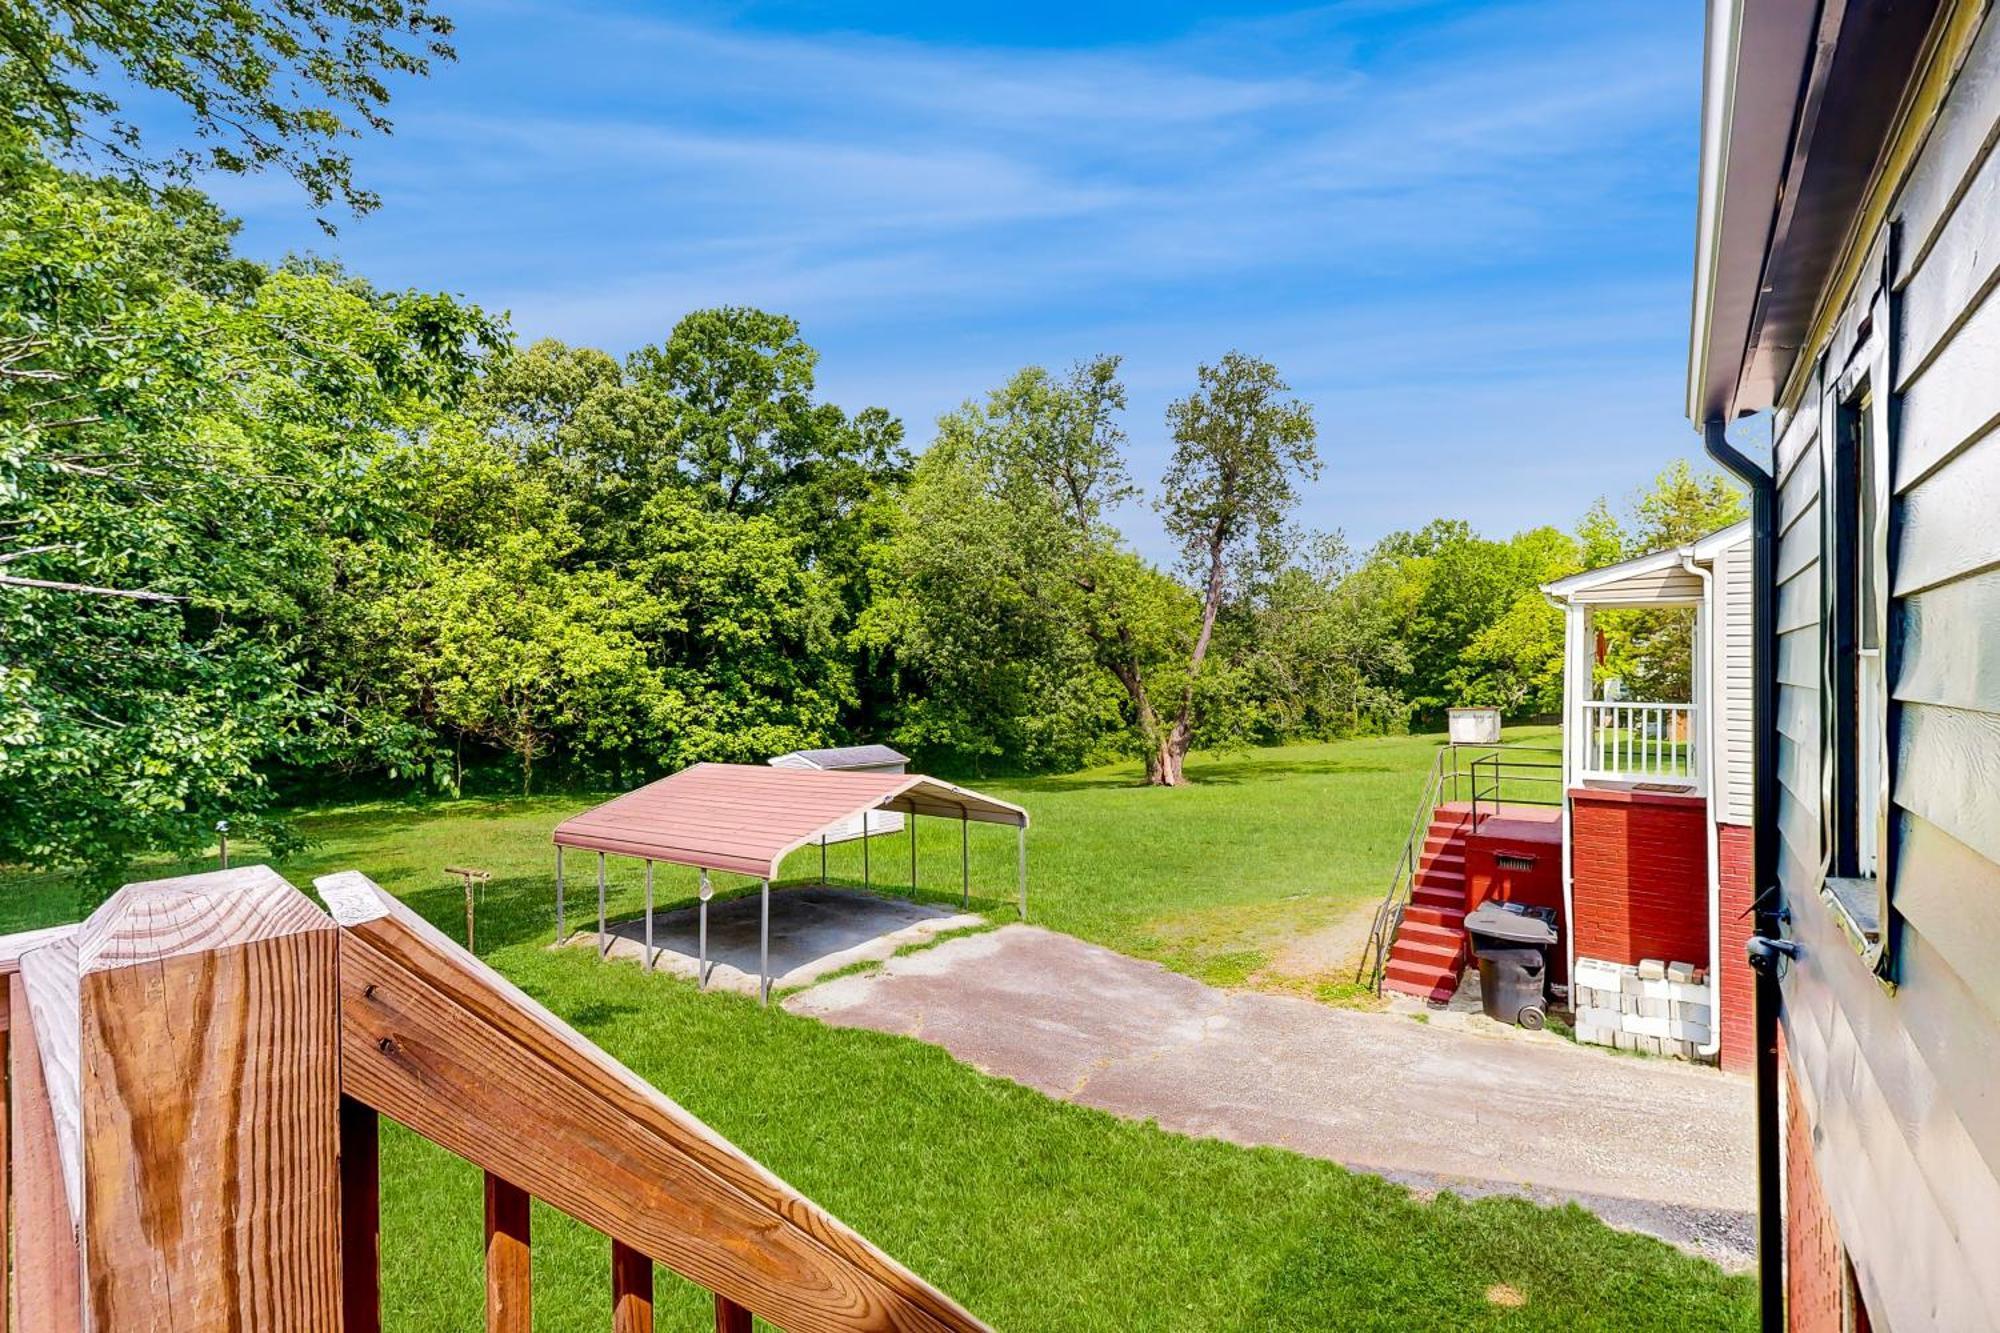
[(1746, 134)]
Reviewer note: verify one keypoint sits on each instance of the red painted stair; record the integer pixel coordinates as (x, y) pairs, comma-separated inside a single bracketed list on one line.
[(1430, 945)]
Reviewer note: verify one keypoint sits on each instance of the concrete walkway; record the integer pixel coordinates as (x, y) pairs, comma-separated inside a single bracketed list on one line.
[(1650, 1145)]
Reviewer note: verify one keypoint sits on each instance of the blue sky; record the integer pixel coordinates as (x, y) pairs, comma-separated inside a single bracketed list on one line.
[(1461, 230)]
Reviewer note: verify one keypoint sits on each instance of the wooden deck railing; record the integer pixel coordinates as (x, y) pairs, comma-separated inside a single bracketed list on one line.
[(197, 1075)]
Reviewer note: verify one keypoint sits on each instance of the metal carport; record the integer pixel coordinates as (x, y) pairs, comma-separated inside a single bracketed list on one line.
[(745, 818)]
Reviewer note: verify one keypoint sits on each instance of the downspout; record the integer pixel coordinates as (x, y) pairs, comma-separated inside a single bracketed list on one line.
[(1568, 776), (1763, 883), (1706, 666)]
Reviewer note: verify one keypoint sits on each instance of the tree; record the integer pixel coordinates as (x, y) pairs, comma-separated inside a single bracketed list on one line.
[(1321, 655), (1652, 651), (1009, 548), (263, 83), (1000, 557), (180, 440), (1239, 447)]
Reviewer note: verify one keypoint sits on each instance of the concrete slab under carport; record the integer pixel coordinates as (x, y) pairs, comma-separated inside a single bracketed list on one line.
[(814, 931), (1649, 1145)]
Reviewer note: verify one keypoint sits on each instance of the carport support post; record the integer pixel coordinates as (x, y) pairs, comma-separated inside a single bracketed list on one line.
[(912, 817), (701, 962), (559, 895), (964, 861), (764, 948), (600, 905), (649, 914), (822, 860), (1021, 869), (866, 882)]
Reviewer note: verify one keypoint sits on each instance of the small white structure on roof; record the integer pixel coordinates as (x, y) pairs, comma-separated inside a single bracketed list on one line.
[(852, 759)]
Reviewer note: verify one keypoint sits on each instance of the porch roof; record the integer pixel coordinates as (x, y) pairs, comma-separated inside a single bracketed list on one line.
[(1655, 579)]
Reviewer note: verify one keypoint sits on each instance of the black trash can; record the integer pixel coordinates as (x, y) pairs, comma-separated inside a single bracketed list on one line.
[(1512, 943)]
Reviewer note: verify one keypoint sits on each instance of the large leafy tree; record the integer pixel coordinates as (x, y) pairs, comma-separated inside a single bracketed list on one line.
[(1014, 575), (996, 601), (1240, 448), (181, 437), (1651, 651), (278, 84)]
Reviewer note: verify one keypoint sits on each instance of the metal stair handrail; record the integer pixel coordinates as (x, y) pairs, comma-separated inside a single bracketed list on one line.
[(1452, 773)]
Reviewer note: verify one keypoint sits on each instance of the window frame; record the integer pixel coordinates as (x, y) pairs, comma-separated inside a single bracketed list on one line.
[(1857, 711)]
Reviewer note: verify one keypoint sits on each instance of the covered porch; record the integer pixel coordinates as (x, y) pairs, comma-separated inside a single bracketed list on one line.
[(1645, 729), (1657, 794)]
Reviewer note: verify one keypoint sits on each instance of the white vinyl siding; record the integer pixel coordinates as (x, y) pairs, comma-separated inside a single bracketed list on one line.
[(1898, 1083)]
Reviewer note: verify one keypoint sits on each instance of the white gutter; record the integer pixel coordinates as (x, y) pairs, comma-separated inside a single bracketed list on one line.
[(1711, 837)]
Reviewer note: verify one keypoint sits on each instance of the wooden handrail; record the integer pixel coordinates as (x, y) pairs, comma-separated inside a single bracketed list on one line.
[(440, 1042), (197, 1074)]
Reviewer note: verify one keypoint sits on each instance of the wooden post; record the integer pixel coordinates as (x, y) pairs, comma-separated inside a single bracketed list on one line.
[(6, 1183), (360, 1217), (46, 1263), (729, 1316), (509, 1275), (631, 1290), (210, 1022)]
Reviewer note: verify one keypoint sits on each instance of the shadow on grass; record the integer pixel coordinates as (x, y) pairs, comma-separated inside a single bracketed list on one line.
[(1202, 773)]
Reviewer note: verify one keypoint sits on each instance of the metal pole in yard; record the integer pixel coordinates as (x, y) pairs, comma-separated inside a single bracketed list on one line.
[(964, 861), (1021, 870), (559, 895), (649, 914), (866, 880), (701, 964), (764, 949), (601, 946), (822, 860), (912, 817)]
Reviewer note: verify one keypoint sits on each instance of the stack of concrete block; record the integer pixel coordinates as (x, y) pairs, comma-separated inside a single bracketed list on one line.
[(1656, 1007)]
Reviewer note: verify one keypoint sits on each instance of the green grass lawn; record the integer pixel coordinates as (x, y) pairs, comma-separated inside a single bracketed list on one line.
[(1220, 879), (1035, 1213)]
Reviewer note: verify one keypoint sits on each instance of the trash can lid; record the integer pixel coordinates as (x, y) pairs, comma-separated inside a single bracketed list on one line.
[(1511, 923)]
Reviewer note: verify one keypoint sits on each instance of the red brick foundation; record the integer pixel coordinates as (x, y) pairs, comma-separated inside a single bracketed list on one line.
[(1639, 876), (1738, 1018), (1817, 1290)]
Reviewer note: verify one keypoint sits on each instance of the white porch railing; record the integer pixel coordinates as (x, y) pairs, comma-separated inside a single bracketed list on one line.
[(1637, 742)]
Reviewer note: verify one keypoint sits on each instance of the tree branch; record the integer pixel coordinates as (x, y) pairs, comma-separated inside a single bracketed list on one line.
[(52, 585)]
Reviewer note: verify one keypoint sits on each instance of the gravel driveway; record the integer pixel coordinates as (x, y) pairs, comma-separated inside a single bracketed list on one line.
[(1650, 1145)]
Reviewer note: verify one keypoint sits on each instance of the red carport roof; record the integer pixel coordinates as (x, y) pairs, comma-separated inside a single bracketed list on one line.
[(746, 817)]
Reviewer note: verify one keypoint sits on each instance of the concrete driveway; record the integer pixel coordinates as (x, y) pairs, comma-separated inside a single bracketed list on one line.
[(1650, 1145)]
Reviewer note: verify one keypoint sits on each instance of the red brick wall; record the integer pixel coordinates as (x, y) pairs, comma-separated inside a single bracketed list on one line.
[(1739, 1028), (1639, 876), (1538, 886), (1815, 1263)]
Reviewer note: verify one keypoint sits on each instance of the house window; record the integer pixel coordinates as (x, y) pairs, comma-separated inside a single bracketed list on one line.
[(1863, 702), (1855, 501)]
